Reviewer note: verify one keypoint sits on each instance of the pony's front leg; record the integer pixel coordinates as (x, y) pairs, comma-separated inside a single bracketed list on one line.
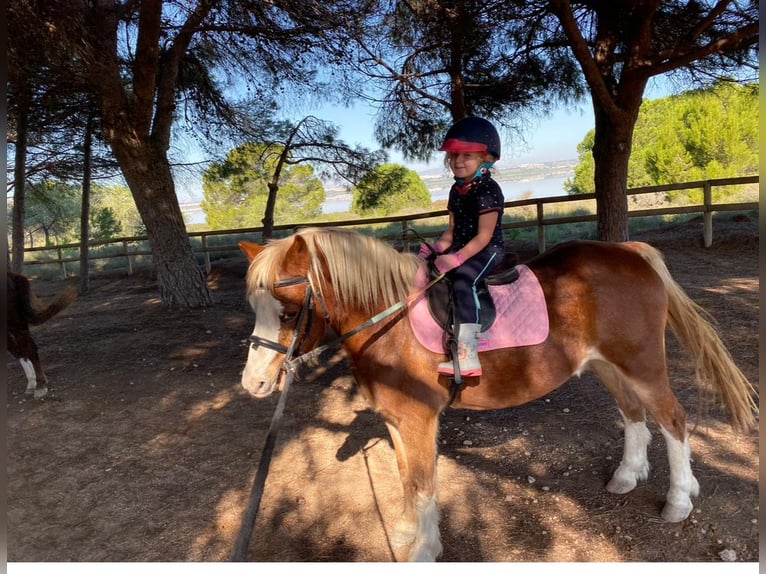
[(414, 441)]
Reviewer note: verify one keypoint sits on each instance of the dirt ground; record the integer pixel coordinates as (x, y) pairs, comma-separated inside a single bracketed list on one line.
[(146, 447)]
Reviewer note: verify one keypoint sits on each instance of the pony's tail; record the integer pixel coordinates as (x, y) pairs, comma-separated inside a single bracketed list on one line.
[(694, 328), (46, 313), (34, 312)]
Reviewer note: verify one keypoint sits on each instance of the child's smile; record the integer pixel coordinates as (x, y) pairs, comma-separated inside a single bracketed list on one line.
[(465, 165)]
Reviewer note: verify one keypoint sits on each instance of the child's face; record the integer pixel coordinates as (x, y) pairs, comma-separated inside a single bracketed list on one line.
[(465, 164)]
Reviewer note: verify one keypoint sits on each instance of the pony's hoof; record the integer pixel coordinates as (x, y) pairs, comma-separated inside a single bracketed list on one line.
[(676, 512), (422, 556), (40, 393), (621, 485), (425, 552)]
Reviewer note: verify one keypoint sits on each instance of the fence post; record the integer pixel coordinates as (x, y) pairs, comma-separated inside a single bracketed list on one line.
[(540, 228), (127, 256), (61, 259), (707, 215), (206, 252), (405, 236)]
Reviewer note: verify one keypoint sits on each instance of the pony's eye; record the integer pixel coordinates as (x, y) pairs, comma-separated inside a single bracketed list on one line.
[(286, 317)]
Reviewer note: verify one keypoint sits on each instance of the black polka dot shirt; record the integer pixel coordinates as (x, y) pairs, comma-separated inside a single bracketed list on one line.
[(468, 202)]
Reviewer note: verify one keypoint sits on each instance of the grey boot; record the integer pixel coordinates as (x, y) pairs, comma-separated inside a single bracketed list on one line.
[(467, 350)]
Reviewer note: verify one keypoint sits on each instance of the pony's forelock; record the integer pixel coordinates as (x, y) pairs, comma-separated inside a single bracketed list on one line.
[(264, 267)]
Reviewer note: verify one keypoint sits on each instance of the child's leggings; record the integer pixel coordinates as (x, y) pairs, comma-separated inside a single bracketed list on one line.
[(464, 281)]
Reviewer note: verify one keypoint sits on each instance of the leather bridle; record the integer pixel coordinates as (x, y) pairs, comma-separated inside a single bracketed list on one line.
[(304, 315)]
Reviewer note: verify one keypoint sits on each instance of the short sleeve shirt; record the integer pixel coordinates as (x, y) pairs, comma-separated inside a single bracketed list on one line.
[(468, 203)]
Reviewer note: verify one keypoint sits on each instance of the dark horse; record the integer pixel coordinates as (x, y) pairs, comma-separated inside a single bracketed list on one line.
[(608, 308), (22, 310)]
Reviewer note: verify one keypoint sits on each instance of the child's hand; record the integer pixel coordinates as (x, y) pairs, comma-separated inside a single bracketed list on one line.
[(448, 262), (427, 250)]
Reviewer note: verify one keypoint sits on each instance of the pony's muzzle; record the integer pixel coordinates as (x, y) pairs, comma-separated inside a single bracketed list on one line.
[(262, 389)]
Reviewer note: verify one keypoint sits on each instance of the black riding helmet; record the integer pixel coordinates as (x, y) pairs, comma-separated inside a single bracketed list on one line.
[(472, 134)]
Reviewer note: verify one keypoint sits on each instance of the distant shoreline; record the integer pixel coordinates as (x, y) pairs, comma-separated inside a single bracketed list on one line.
[(438, 181), (544, 179)]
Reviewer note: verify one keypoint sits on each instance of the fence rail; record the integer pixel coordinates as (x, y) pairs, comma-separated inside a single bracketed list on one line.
[(131, 248)]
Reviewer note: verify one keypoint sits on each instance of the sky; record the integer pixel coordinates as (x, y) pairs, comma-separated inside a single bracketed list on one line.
[(552, 138), (548, 139)]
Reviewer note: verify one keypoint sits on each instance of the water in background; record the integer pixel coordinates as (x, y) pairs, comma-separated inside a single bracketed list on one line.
[(512, 191)]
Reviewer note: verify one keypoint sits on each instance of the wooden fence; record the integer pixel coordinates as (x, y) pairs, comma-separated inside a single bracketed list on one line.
[(131, 248)]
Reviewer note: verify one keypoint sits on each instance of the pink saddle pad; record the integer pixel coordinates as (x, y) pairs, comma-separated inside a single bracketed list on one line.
[(522, 316)]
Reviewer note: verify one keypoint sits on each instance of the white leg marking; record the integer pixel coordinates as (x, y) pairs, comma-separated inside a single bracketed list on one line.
[(427, 546), (635, 464), (404, 533), (29, 371), (683, 485)]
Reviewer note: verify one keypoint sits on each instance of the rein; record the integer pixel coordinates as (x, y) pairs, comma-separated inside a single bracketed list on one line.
[(289, 368)]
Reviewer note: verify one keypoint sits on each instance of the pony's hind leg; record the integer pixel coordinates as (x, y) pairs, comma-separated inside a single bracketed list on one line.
[(683, 484), (23, 347), (670, 416), (635, 463), (634, 394), (36, 381)]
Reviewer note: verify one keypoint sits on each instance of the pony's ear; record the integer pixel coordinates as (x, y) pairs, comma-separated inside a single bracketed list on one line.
[(298, 256), (250, 249)]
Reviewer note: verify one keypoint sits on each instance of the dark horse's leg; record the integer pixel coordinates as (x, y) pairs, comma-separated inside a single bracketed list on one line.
[(22, 346)]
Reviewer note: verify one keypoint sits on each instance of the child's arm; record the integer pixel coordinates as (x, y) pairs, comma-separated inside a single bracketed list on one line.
[(444, 242), (449, 261)]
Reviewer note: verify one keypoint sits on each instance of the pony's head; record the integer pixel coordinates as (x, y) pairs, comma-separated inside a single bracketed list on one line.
[(297, 284)]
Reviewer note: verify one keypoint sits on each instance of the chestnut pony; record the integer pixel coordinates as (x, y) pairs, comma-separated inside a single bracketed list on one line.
[(608, 307)]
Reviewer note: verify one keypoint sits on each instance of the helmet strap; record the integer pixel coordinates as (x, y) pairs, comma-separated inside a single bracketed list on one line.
[(484, 168)]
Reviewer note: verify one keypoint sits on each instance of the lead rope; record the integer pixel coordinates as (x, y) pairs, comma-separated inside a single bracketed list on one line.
[(289, 368), (239, 553)]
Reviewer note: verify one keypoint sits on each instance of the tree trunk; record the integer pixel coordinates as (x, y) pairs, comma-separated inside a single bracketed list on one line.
[(613, 141), (181, 280), (271, 200), (268, 216), (85, 208), (19, 190), (136, 117)]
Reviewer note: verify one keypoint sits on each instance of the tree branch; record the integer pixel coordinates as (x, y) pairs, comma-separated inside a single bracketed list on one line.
[(168, 73), (599, 90), (671, 60), (146, 64)]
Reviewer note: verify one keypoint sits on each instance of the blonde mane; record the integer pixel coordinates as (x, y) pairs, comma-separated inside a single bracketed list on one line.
[(365, 272)]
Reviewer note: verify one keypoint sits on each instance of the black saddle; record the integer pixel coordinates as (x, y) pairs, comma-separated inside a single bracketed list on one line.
[(440, 300)]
